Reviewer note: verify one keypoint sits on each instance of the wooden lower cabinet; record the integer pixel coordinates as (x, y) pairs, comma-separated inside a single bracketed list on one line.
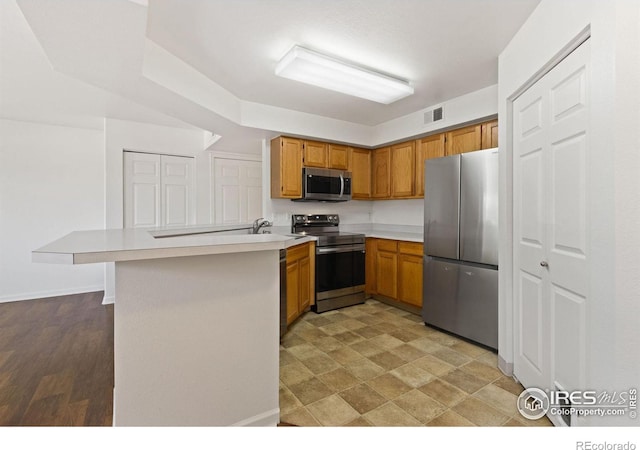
[(394, 270), (300, 277)]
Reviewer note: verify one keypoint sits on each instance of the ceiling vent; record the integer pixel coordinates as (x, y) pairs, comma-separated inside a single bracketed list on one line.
[(433, 115)]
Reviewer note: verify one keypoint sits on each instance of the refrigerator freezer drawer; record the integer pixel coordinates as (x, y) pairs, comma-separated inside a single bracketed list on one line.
[(461, 299)]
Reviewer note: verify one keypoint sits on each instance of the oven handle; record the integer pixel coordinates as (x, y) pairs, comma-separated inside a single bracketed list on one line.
[(340, 249), (341, 185)]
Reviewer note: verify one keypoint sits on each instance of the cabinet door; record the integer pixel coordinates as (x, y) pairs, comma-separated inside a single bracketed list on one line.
[(142, 193), (237, 190), (410, 279), (360, 173), (370, 266), (427, 148), (293, 291), (387, 268), (286, 168), (381, 165), (402, 169), (464, 140), (178, 190), (490, 134), (338, 157), (315, 154), (304, 273)]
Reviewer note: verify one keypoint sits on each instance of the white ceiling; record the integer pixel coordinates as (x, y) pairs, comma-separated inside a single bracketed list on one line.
[(83, 60)]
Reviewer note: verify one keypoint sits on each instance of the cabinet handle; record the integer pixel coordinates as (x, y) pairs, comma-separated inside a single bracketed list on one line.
[(544, 264)]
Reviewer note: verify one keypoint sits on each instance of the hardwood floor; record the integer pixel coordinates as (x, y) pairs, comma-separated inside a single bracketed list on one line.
[(56, 361)]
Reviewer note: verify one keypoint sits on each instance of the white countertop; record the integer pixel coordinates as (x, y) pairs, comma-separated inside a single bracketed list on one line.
[(95, 246)]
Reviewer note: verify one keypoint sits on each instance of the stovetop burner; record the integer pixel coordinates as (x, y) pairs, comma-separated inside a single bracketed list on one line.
[(325, 227)]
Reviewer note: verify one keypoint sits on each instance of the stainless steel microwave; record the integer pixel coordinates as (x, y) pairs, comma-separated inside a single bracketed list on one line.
[(328, 185)]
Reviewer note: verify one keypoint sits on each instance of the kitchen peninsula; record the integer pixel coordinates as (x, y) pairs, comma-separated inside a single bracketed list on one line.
[(196, 324)]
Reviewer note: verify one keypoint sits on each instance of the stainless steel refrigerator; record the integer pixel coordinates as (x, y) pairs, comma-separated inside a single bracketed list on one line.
[(460, 291)]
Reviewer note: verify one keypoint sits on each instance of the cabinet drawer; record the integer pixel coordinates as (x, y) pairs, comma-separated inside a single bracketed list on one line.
[(410, 248), (387, 245), (297, 252)]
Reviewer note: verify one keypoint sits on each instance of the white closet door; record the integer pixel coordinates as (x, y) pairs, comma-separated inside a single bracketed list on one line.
[(178, 188), (237, 190), (550, 192), (159, 190), (142, 197)]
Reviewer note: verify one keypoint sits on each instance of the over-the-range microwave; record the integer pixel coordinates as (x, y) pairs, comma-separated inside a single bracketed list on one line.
[(326, 185)]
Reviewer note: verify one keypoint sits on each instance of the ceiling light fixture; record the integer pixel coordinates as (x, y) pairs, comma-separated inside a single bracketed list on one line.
[(314, 68)]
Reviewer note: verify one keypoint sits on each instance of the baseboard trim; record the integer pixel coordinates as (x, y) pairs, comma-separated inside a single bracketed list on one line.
[(50, 293), (265, 419), (505, 367), (110, 300)]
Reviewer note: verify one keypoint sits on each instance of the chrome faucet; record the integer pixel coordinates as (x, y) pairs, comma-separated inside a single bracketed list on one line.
[(259, 223)]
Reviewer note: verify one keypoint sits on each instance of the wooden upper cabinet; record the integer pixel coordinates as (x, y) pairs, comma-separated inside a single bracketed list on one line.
[(286, 168), (462, 140), (381, 173), (490, 134), (360, 167), (338, 156), (427, 148), (403, 169), (315, 154)]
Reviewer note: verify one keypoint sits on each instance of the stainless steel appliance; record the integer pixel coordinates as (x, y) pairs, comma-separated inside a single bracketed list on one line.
[(460, 292), (328, 185), (339, 261)]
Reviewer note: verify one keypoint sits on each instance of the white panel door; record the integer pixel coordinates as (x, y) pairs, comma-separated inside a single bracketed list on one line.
[(237, 190), (142, 196), (159, 190), (178, 189), (550, 194)]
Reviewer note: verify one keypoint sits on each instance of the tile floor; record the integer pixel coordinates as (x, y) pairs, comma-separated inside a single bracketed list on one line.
[(376, 365)]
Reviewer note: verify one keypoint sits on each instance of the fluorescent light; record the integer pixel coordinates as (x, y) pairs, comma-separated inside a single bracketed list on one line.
[(314, 68)]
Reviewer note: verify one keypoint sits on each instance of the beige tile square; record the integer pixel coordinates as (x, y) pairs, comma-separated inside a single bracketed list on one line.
[(333, 329), (412, 375), (444, 338), (368, 332), (503, 401), (320, 364), (419, 405), (352, 324), (286, 357), (469, 349), (433, 365), (299, 417), (386, 342), (364, 369), (452, 357), (359, 422), (408, 353), (426, 345), (362, 398), (389, 386), (310, 391), (291, 339), (333, 411), (366, 348), (312, 334), (490, 359), (305, 351), (391, 415), (482, 371), (403, 334), (384, 325), (521, 421), (450, 419), (348, 337), (345, 355), (327, 344), (463, 380), (371, 320), (480, 413), (387, 360), (318, 320), (509, 384), (294, 373), (443, 392), (288, 401), (339, 379)]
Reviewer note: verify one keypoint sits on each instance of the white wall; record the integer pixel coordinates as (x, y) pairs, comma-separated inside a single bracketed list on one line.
[(124, 135), (51, 183), (398, 212), (613, 306)]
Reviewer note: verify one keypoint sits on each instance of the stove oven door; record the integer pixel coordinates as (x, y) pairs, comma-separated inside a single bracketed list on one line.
[(339, 270)]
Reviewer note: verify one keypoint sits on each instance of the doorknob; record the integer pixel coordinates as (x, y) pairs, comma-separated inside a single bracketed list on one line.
[(544, 264)]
